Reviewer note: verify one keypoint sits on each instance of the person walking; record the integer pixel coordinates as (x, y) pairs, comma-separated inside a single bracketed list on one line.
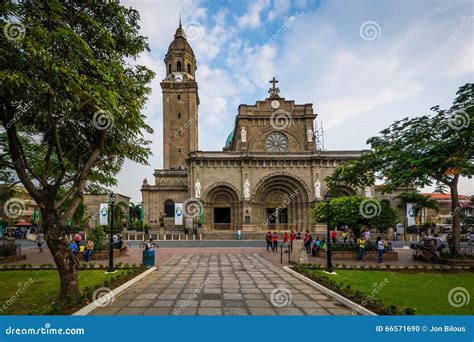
[(275, 242), (239, 234), (334, 236), (307, 241), (361, 246), (380, 249), (268, 239), (292, 237), (89, 250), (344, 236), (39, 241)]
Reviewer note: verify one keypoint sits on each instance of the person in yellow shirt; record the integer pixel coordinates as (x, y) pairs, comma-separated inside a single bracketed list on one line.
[(361, 246)]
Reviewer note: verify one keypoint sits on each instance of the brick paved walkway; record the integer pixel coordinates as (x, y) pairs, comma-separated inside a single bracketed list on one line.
[(222, 284)]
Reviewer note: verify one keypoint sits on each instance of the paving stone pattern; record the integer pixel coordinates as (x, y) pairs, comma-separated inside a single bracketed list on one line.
[(222, 284)]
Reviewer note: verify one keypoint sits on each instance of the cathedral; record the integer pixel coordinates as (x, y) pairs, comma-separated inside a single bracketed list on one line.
[(269, 174)]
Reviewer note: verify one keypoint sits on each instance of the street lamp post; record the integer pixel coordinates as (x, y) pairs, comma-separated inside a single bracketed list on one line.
[(111, 239), (329, 268)]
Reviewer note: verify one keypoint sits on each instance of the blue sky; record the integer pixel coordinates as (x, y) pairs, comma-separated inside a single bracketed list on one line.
[(363, 64)]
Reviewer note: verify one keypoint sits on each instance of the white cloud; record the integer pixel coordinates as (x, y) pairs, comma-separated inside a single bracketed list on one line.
[(252, 19), (280, 7)]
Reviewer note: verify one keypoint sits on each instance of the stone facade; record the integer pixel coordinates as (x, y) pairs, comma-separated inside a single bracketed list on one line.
[(92, 206), (268, 176)]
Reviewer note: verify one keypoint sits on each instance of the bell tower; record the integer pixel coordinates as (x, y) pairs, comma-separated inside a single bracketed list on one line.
[(180, 103)]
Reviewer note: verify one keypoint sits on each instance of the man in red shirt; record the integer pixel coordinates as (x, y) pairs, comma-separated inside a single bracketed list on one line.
[(334, 236), (275, 242), (292, 237)]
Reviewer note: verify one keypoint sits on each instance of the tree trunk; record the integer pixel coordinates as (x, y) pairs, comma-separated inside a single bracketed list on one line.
[(456, 212), (66, 264)]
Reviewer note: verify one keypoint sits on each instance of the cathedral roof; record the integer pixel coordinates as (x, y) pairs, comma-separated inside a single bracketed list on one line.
[(180, 43), (228, 141)]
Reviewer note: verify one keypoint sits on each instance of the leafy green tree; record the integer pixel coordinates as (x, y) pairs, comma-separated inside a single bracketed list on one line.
[(357, 213), (134, 212), (424, 151), (419, 202), (71, 101)]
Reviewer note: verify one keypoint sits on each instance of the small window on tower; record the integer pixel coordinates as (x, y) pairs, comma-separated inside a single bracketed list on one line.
[(179, 97), (189, 68), (179, 115), (179, 150), (178, 66), (169, 68)]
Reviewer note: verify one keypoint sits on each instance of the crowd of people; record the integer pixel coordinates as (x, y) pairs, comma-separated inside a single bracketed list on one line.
[(313, 245)]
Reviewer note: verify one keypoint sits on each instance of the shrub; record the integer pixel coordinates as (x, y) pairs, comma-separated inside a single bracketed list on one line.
[(409, 311), (98, 236)]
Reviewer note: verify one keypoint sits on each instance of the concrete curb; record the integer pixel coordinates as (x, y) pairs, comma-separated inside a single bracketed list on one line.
[(356, 307), (115, 292)]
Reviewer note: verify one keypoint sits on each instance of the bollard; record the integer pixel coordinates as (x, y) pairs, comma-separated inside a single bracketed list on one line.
[(281, 254), (289, 256)]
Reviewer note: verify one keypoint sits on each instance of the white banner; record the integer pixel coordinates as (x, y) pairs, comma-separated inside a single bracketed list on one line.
[(410, 215), (104, 214), (178, 214)]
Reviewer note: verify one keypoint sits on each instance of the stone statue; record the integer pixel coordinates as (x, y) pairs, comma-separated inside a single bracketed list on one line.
[(310, 134), (367, 192), (317, 189), (243, 135), (247, 189), (197, 189)]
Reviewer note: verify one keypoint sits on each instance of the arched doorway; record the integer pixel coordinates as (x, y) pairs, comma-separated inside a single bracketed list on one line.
[(221, 208), (282, 203)]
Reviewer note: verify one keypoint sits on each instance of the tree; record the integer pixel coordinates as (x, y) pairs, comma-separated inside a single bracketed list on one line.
[(357, 213), (424, 151), (419, 202), (135, 211), (71, 101)]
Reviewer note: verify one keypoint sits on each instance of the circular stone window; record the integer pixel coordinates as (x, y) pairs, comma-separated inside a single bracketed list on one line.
[(276, 142)]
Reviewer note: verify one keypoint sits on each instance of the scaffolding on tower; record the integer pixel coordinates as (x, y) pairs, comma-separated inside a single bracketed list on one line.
[(319, 135)]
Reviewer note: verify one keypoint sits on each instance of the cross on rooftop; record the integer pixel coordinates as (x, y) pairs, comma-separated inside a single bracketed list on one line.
[(274, 90)]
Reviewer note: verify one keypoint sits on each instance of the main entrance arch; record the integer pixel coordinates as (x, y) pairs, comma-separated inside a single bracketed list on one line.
[(281, 202), (222, 209)]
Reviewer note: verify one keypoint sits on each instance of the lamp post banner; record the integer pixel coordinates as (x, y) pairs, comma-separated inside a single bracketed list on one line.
[(410, 215), (178, 214), (104, 214)]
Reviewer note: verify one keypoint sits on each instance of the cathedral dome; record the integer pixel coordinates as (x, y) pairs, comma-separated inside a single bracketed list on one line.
[(228, 141), (180, 44)]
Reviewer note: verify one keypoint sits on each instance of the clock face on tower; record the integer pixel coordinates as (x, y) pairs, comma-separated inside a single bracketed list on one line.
[(275, 104), (179, 77)]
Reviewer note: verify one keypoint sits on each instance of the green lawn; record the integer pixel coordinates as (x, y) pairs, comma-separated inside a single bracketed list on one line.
[(427, 292), (39, 292)]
